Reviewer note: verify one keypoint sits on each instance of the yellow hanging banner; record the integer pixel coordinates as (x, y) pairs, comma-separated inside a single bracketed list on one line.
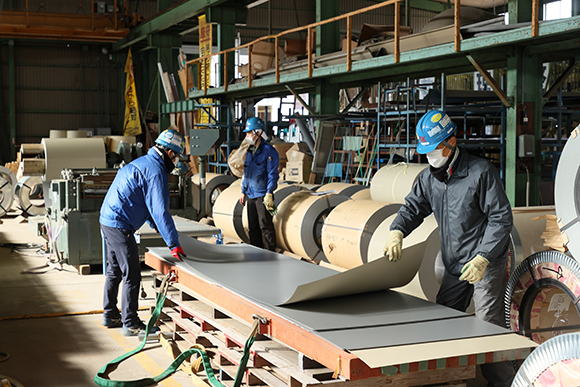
[(205, 43), (132, 122)]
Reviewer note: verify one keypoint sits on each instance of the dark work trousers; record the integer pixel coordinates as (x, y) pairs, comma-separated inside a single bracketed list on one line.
[(489, 306), (123, 257), (260, 224)]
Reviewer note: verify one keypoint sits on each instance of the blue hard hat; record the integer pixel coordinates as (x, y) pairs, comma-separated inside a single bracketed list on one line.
[(172, 139), (432, 129), (254, 123)]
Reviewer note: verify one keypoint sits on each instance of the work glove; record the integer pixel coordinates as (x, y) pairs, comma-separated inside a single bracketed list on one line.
[(269, 201), (178, 253), (243, 199), (394, 246), (473, 270)]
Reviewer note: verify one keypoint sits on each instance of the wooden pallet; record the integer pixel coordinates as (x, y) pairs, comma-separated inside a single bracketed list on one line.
[(195, 320)]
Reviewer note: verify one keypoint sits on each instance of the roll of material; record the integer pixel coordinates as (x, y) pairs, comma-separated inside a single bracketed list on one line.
[(6, 196), (76, 134), (363, 194), (228, 212), (71, 153), (8, 175), (392, 183), (348, 229), (341, 188), (215, 184), (299, 222), (567, 193), (427, 280), (541, 296), (527, 233), (57, 133), (26, 186)]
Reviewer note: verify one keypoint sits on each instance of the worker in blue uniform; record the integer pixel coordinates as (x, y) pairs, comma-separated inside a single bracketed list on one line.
[(259, 181), (139, 193), (467, 198)]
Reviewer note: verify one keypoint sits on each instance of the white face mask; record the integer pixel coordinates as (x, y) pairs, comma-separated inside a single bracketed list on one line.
[(250, 140), (436, 158)]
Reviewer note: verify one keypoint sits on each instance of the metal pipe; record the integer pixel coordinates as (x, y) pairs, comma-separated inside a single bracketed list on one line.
[(301, 122)]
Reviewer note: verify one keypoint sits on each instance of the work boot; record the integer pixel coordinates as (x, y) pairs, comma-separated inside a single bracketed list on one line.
[(139, 330), (112, 322)]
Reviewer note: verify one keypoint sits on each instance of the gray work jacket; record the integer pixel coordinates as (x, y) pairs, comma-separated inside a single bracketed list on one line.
[(472, 211)]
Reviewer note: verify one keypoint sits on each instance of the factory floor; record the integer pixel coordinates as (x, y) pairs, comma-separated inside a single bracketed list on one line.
[(50, 323), (50, 332)]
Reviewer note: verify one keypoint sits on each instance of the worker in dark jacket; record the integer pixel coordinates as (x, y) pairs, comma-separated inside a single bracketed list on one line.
[(139, 193), (468, 200), (259, 181)]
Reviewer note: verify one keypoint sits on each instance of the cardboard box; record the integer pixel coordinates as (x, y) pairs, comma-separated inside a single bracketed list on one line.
[(353, 44), (298, 171), (262, 58), (282, 149), (299, 152), (298, 46)]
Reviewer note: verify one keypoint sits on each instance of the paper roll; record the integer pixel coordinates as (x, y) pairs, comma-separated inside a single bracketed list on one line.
[(26, 186), (341, 188), (57, 133), (6, 196), (392, 183), (567, 193), (71, 153), (348, 230), (363, 194), (299, 222), (76, 134)]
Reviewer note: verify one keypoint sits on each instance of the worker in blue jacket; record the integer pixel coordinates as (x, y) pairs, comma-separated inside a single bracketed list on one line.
[(259, 181), (467, 198), (139, 193)]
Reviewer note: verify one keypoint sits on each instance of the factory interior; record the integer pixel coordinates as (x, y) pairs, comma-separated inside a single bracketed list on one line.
[(289, 193)]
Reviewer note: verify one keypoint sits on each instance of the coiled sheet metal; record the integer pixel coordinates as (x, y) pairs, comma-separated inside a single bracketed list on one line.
[(215, 184), (349, 228), (554, 363), (341, 188), (227, 213), (299, 222), (541, 296), (392, 183), (26, 187), (6, 196), (567, 192)]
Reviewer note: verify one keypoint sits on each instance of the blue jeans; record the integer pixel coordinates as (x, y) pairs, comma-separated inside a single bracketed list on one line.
[(123, 257)]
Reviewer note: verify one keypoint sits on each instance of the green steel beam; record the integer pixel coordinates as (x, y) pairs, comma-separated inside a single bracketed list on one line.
[(575, 7), (519, 11), (513, 88), (328, 33), (568, 46), (165, 20), (533, 92), (226, 19), (12, 98)]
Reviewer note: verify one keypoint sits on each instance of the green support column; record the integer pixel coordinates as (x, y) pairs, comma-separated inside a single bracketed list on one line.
[(575, 7), (12, 98), (328, 35), (519, 11), (167, 51), (226, 19), (533, 93), (513, 87)]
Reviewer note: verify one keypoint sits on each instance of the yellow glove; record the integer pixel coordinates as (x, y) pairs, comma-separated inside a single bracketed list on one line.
[(269, 202), (473, 270), (394, 245)]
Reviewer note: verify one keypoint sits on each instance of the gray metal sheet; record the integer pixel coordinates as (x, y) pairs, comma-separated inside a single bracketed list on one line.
[(186, 226), (386, 307), (370, 320), (415, 333)]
